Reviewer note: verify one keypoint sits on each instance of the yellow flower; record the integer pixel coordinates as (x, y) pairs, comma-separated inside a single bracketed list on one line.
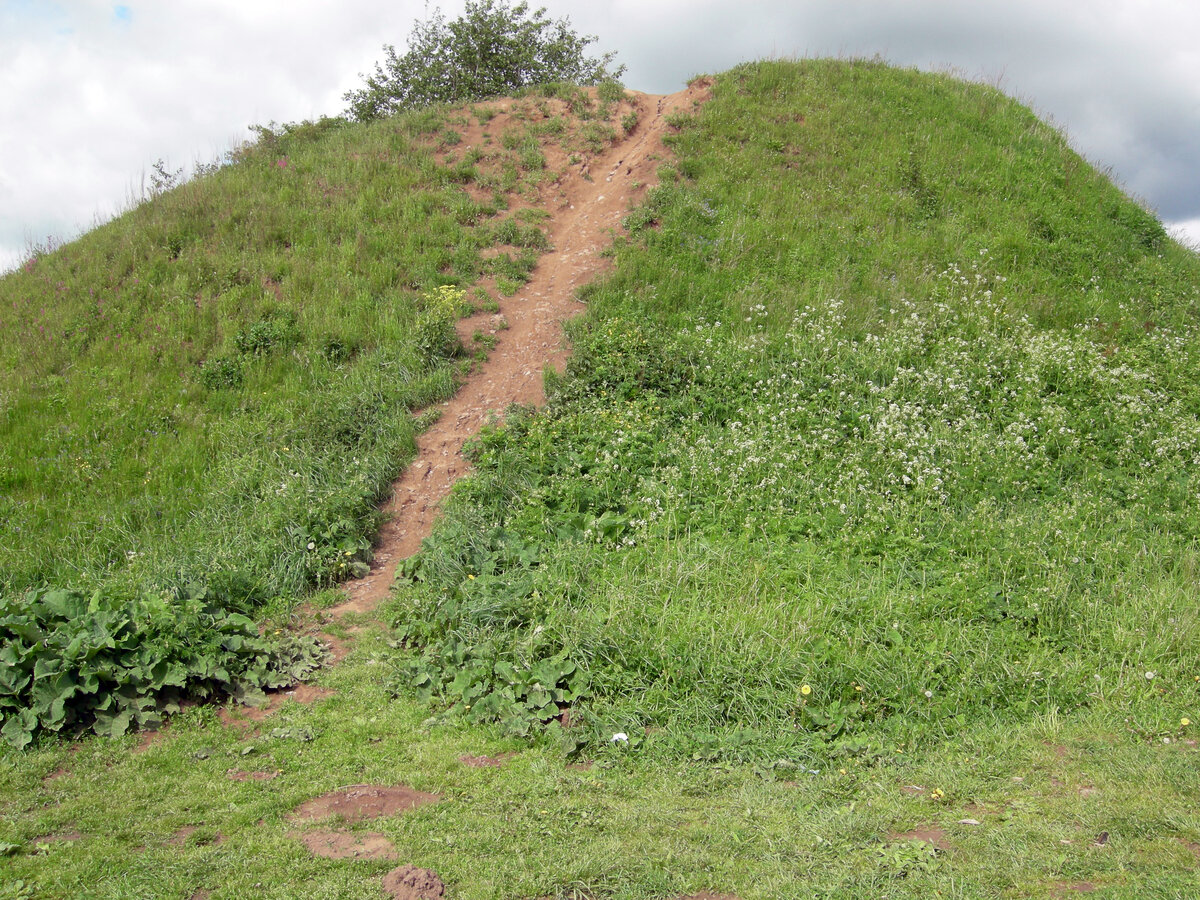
[(805, 690), (1185, 721)]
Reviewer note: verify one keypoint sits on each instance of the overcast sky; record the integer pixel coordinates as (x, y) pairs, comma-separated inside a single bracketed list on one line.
[(93, 92)]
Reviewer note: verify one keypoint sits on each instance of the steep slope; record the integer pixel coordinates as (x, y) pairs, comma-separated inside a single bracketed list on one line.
[(585, 208), (215, 390), (885, 425), (853, 553)]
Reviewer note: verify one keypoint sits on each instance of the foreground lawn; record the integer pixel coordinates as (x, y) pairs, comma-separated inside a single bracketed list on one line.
[(1058, 805)]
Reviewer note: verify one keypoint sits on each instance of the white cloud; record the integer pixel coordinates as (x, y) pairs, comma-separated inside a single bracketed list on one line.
[(91, 97), (1186, 232)]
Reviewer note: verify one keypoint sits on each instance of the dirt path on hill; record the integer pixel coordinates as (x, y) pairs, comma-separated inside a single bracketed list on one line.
[(590, 203)]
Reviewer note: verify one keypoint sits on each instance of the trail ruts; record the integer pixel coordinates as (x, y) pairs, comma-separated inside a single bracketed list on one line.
[(592, 202)]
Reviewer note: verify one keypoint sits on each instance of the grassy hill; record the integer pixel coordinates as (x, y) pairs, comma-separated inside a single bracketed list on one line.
[(205, 399), (885, 425), (865, 510)]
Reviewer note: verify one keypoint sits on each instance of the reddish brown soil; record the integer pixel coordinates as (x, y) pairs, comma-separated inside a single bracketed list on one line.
[(243, 716), (930, 834), (344, 845), (179, 838), (363, 801), (588, 204), (149, 738), (67, 836), (484, 762), (411, 883), (237, 775)]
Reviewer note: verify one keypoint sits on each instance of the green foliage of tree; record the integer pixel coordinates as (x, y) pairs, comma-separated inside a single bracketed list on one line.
[(495, 48)]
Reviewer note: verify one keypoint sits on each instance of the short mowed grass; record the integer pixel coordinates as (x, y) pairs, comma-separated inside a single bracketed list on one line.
[(859, 537)]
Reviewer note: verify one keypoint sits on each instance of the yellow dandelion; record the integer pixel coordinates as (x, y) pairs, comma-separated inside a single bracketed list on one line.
[(805, 690), (1185, 721)]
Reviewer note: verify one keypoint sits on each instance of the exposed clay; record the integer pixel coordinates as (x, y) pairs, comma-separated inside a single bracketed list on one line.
[(930, 834), (238, 775), (57, 838), (411, 883), (363, 801), (179, 838), (591, 206), (244, 716), (346, 845), (484, 762), (149, 738)]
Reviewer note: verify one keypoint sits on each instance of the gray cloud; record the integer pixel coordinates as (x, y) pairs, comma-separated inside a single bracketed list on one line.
[(1121, 77), (91, 97)]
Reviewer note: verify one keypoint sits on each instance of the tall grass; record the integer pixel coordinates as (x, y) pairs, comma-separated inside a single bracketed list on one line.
[(885, 425), (224, 375), (204, 400)]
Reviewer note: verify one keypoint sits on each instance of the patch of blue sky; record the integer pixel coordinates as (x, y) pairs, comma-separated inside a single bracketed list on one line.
[(25, 14), (122, 14)]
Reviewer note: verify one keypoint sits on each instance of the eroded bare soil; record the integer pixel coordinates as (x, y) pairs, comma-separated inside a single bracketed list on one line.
[(585, 208)]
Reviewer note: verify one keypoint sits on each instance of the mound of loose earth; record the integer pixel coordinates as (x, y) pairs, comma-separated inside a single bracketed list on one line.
[(411, 883)]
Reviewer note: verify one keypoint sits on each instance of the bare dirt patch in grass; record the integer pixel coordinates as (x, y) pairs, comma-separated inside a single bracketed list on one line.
[(245, 716), (363, 801), (485, 762), (1067, 888), (238, 775), (929, 834), (347, 845), (66, 836), (179, 838), (411, 883)]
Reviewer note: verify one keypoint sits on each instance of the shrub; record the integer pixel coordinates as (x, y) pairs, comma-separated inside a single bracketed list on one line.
[(219, 372), (435, 336), (491, 50)]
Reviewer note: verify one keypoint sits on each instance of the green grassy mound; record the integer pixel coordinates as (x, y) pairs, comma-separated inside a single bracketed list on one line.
[(202, 402), (885, 426)]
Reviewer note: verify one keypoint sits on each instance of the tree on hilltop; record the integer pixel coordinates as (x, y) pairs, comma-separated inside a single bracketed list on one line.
[(492, 50)]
